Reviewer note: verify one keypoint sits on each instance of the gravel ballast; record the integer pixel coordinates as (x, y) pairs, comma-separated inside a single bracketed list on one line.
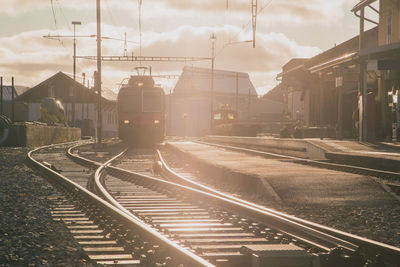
[(28, 234)]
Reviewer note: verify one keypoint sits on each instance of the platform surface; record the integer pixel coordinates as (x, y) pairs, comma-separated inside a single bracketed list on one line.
[(293, 182), (381, 149)]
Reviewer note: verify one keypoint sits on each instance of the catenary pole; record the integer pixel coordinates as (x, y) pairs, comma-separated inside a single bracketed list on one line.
[(100, 117)]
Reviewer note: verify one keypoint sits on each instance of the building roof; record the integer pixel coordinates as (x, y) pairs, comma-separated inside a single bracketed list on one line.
[(362, 4), (194, 80), (18, 90), (275, 94), (60, 85), (347, 47), (341, 53)]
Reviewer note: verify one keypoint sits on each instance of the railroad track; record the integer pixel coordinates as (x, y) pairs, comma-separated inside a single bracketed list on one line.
[(106, 234), (226, 231)]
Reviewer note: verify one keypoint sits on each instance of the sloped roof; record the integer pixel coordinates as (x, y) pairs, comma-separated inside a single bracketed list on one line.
[(338, 54), (198, 80), (61, 83), (275, 94), (18, 90)]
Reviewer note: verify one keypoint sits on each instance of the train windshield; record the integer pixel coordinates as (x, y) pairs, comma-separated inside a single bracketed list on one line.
[(130, 103), (152, 101)]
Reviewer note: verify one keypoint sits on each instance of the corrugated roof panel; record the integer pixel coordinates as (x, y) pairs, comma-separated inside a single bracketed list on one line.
[(8, 89)]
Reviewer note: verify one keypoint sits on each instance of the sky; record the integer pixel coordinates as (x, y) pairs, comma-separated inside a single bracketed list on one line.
[(285, 29)]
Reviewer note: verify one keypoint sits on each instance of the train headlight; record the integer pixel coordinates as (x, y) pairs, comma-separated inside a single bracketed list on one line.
[(156, 121), (126, 121)]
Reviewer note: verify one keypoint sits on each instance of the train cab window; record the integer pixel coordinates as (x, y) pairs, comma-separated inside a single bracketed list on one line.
[(217, 116), (130, 103), (152, 101)]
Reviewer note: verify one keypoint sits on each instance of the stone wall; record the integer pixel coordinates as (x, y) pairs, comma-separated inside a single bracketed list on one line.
[(34, 134)]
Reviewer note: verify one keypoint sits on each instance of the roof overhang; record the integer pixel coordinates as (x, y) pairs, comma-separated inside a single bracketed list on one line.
[(381, 52), (334, 62), (362, 4), (293, 70)]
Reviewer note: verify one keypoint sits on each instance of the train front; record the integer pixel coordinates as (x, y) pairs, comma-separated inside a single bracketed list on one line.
[(141, 112)]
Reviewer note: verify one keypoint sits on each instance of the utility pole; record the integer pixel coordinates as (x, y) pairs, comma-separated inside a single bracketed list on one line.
[(74, 73), (98, 80), (321, 105), (213, 38), (248, 105), (237, 93), (362, 85), (254, 20), (125, 47)]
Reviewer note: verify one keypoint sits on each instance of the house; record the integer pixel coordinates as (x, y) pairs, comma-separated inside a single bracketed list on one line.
[(60, 86)]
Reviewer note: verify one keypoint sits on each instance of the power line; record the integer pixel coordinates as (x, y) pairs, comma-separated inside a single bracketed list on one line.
[(244, 26), (55, 21), (63, 14)]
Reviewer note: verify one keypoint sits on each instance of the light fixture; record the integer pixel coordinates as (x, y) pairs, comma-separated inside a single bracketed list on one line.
[(156, 121), (126, 121)]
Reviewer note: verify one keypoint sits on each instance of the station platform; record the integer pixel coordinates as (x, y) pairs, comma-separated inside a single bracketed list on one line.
[(380, 155), (284, 180)]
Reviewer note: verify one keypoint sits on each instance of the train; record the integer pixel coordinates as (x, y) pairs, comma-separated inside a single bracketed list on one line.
[(141, 112), (225, 122)]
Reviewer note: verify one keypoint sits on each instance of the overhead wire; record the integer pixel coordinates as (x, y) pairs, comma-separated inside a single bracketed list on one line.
[(55, 22), (244, 26), (63, 14)]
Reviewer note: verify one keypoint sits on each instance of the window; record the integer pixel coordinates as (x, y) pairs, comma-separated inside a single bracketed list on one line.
[(389, 27), (152, 101), (131, 102), (217, 116)]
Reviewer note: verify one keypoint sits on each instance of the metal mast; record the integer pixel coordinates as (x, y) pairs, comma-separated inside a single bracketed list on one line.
[(98, 80), (74, 73), (213, 38)]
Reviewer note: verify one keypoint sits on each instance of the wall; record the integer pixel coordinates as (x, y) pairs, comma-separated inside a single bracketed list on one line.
[(385, 7), (31, 134)]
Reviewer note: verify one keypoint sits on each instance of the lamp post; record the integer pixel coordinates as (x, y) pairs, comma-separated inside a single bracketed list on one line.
[(74, 73), (213, 38)]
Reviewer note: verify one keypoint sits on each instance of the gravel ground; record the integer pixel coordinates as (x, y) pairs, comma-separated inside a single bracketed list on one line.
[(380, 223), (28, 234)]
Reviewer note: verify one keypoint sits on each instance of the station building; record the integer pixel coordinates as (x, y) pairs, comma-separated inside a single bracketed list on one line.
[(189, 106), (60, 86), (327, 92)]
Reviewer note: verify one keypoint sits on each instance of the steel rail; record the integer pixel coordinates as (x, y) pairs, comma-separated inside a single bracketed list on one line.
[(309, 232), (180, 254), (390, 254), (305, 233), (188, 256), (302, 232)]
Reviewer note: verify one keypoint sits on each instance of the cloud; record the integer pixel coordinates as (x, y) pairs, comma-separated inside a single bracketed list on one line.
[(32, 58)]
